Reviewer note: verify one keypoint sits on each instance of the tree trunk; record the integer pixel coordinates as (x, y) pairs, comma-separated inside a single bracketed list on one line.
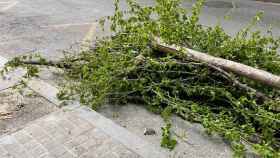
[(228, 65)]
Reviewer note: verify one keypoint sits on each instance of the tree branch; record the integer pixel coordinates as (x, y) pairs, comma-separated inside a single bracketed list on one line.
[(235, 82), (228, 65)]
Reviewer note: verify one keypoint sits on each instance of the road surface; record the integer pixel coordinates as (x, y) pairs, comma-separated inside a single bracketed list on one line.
[(51, 26)]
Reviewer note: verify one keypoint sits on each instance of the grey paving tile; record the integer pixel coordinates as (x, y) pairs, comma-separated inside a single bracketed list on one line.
[(67, 155), (70, 134), (47, 155), (22, 136)]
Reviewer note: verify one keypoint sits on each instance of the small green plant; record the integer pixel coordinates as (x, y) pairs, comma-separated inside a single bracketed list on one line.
[(167, 141)]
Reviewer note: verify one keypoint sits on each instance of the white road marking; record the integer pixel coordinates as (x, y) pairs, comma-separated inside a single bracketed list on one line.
[(268, 3), (89, 36), (8, 5), (65, 25), (7, 2), (85, 45)]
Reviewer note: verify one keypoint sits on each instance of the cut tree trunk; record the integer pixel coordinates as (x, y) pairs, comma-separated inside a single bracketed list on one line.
[(227, 65)]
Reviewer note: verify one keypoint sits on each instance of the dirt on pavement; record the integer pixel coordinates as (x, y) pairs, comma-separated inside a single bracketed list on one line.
[(18, 107)]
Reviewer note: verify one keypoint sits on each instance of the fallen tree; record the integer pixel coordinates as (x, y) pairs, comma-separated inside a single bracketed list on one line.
[(258, 75), (215, 63), (230, 89), (221, 65)]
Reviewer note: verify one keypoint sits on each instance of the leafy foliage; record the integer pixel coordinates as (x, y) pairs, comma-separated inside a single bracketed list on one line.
[(167, 141), (124, 68)]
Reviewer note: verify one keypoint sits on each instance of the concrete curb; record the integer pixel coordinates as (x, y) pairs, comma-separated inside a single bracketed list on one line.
[(131, 141), (12, 78), (45, 90)]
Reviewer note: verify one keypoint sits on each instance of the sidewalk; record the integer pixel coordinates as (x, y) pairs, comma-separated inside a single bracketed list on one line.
[(75, 131)]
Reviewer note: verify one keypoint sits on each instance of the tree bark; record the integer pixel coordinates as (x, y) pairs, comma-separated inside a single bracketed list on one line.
[(228, 65)]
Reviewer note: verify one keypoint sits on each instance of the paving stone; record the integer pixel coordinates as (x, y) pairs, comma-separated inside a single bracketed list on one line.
[(66, 125), (31, 144), (49, 143), (3, 152), (10, 144), (79, 150), (92, 143), (110, 154), (58, 151), (36, 131), (7, 156), (71, 134), (76, 141), (22, 136), (126, 138), (82, 124), (125, 153), (97, 133), (47, 155), (49, 126), (60, 136), (67, 155), (38, 151), (89, 154)]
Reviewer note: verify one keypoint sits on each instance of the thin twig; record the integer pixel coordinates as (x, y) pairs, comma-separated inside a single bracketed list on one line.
[(239, 84), (38, 63)]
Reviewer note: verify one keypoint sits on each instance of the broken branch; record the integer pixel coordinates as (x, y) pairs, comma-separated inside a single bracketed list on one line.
[(258, 75)]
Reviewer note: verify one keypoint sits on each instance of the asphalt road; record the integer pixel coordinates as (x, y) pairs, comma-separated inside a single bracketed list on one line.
[(51, 26)]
